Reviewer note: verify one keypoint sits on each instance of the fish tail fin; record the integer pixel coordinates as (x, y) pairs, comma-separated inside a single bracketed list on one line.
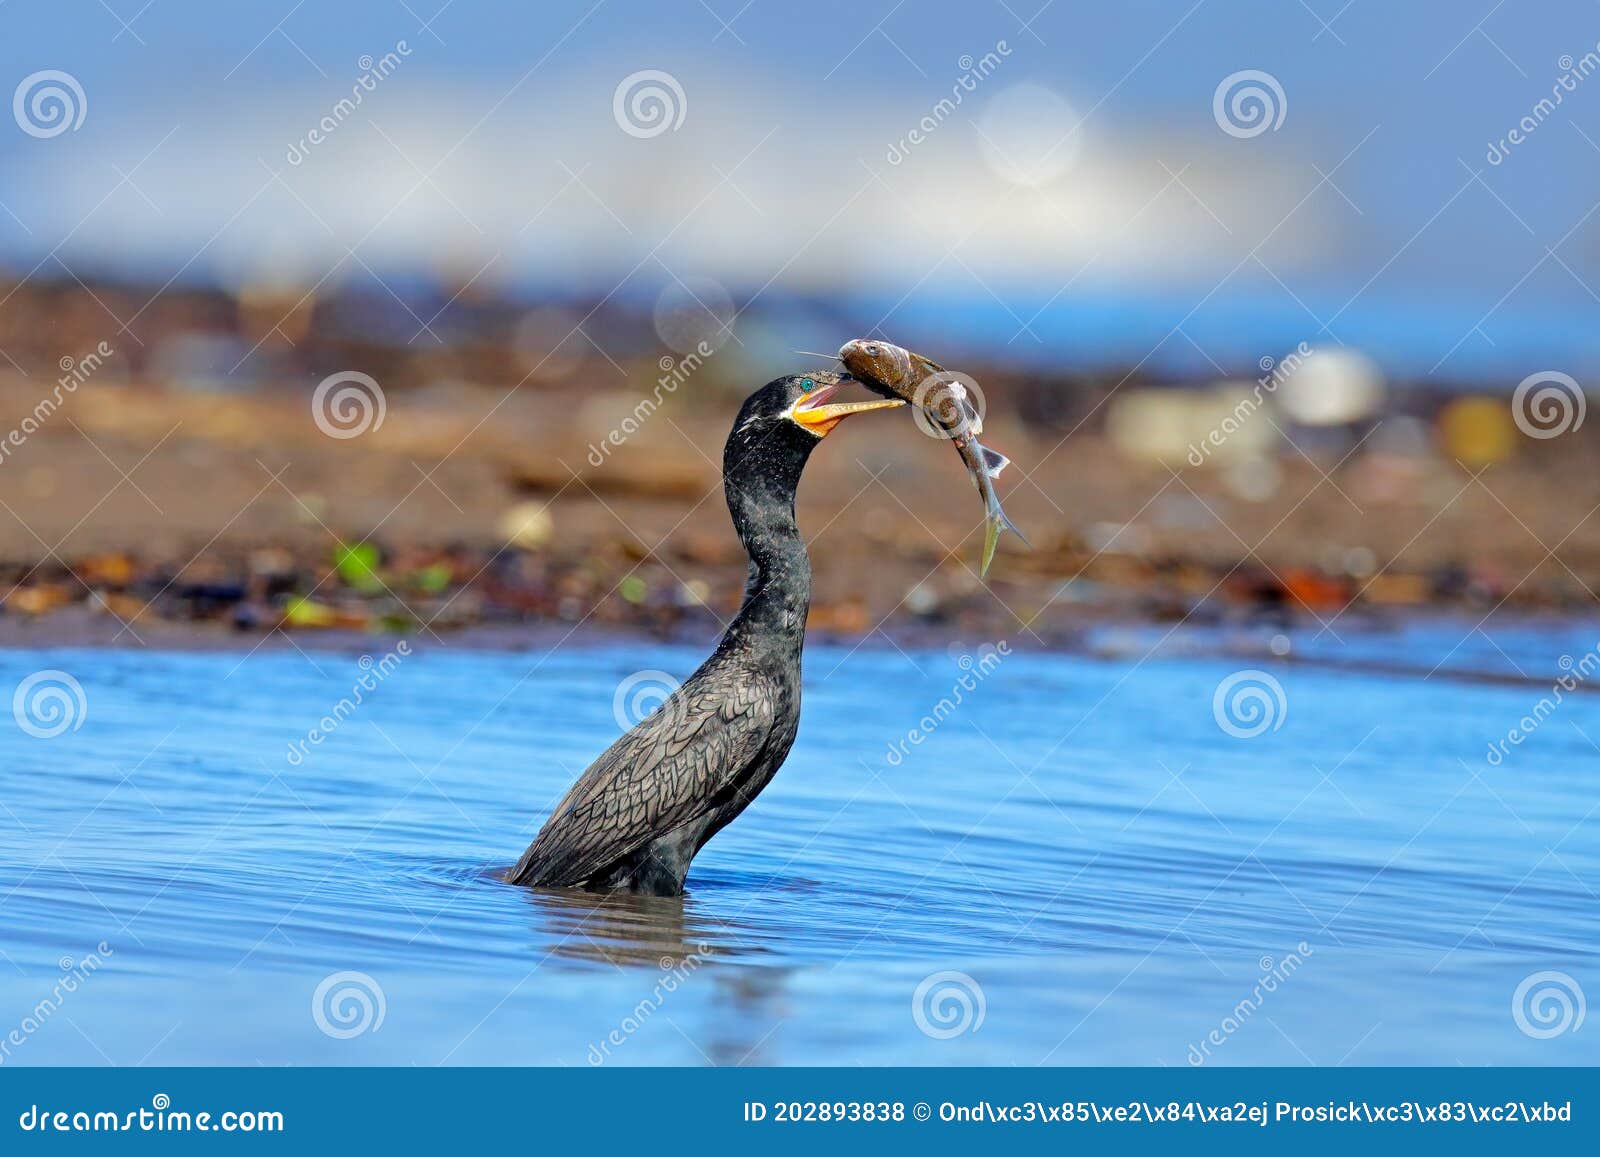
[(993, 525), (991, 538), (1007, 524)]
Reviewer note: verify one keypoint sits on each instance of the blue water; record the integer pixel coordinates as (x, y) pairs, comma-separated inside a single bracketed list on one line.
[(1077, 865)]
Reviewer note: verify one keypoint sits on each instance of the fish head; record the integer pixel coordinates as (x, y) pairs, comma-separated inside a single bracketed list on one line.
[(881, 365)]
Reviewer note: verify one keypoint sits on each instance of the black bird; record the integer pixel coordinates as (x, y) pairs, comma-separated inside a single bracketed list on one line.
[(637, 816)]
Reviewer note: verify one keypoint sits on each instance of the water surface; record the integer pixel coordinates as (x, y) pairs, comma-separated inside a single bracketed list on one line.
[(1076, 865)]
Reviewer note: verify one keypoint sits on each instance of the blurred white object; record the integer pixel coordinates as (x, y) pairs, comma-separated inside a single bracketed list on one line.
[(1254, 479), (1029, 134), (1331, 387), (1218, 425)]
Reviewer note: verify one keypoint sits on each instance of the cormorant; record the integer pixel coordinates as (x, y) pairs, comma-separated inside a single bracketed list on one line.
[(635, 819)]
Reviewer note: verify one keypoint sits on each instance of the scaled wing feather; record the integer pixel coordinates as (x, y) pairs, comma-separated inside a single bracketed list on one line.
[(661, 774)]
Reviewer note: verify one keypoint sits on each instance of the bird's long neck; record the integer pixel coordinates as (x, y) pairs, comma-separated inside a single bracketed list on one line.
[(777, 594)]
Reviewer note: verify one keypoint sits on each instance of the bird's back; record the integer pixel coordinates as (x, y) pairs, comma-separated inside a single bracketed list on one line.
[(674, 779)]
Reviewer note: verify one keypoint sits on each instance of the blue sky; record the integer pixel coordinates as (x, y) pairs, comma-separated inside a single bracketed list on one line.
[(493, 150)]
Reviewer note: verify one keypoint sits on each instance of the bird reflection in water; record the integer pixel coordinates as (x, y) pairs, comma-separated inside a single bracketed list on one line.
[(668, 945), (631, 929)]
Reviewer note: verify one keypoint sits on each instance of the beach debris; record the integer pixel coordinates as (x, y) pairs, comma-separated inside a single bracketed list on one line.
[(527, 525), (357, 566), (304, 612)]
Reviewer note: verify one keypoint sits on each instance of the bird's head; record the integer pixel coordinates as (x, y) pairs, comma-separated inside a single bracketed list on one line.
[(798, 404), (807, 401), (781, 423)]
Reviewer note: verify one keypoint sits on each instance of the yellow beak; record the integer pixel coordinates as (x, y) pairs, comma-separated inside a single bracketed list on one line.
[(817, 414)]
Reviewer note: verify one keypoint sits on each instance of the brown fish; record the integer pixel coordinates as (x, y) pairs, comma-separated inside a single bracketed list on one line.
[(896, 372)]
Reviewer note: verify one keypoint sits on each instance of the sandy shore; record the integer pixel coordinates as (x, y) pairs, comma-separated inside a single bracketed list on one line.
[(163, 505)]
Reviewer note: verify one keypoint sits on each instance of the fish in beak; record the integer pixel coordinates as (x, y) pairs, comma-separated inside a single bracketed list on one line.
[(897, 372), (816, 412)]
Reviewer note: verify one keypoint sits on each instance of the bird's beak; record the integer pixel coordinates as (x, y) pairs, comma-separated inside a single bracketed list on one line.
[(817, 414)]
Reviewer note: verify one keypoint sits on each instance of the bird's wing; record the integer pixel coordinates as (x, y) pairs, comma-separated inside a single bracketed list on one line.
[(662, 773)]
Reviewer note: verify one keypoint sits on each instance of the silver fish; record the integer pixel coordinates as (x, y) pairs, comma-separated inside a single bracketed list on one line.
[(896, 372)]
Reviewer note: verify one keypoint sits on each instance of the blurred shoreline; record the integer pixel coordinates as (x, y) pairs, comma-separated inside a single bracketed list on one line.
[(536, 467)]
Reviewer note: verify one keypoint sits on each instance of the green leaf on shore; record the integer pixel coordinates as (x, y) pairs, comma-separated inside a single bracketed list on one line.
[(357, 566)]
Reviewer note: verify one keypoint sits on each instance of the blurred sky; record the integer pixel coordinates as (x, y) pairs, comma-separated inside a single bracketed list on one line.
[(1371, 215)]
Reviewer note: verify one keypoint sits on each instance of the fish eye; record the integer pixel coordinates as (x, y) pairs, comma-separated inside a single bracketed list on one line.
[(872, 351), (806, 383)]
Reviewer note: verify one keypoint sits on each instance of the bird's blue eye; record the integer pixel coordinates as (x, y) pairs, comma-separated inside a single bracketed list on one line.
[(806, 383)]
